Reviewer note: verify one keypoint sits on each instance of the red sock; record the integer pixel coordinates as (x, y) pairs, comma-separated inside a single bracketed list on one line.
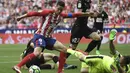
[(26, 59), (62, 60)]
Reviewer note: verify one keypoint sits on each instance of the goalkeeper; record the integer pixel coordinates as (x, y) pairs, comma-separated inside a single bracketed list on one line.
[(102, 63), (114, 52)]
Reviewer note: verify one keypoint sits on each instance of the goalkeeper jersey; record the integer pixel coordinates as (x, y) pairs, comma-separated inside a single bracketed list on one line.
[(100, 64)]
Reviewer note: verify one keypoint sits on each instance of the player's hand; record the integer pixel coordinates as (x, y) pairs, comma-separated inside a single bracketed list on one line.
[(94, 14), (18, 18)]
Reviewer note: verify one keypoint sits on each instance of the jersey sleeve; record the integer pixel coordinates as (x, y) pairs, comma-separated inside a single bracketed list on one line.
[(105, 16), (71, 15), (40, 13), (117, 55)]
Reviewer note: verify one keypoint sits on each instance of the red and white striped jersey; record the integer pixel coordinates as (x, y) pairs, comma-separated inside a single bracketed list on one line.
[(50, 20)]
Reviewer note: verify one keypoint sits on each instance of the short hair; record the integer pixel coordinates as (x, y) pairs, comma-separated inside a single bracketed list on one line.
[(61, 3), (127, 59)]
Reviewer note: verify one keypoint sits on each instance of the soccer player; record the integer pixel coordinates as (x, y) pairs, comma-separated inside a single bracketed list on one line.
[(96, 23), (42, 60), (80, 29), (117, 57), (100, 63), (113, 50), (42, 38)]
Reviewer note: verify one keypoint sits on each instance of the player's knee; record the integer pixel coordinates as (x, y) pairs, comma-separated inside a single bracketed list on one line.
[(37, 53), (96, 38)]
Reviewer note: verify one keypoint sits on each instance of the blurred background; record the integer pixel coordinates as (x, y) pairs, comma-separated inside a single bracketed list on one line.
[(117, 10)]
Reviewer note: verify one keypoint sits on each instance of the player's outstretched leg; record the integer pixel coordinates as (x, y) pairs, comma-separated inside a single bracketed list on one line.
[(98, 46), (23, 62), (80, 54)]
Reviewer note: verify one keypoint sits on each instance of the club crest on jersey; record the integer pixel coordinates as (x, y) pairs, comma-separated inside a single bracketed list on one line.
[(102, 15)]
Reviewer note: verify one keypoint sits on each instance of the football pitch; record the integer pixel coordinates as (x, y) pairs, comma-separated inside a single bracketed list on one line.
[(9, 56)]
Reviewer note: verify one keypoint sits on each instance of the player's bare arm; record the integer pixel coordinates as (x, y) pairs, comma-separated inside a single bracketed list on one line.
[(111, 44), (120, 69)]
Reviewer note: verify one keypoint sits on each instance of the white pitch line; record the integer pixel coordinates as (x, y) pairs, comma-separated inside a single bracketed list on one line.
[(8, 56), (9, 62)]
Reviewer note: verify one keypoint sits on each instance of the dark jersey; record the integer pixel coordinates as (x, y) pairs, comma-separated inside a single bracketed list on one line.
[(99, 20), (80, 29), (81, 21)]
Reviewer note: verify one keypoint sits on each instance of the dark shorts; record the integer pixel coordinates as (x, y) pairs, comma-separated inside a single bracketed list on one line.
[(78, 32), (41, 41)]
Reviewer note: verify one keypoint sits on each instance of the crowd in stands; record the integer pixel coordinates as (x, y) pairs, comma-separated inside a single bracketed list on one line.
[(118, 11)]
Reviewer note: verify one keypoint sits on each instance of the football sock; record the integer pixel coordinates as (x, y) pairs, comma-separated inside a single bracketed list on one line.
[(55, 59), (75, 53), (99, 43), (67, 55), (62, 60), (91, 46), (26, 59)]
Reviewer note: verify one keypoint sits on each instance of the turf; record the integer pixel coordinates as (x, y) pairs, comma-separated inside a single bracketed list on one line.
[(9, 56)]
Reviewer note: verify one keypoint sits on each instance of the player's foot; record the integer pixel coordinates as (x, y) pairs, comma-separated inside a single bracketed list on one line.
[(17, 69), (66, 66), (112, 34), (98, 52)]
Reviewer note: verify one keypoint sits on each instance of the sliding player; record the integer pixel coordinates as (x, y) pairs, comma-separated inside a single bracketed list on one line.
[(114, 52), (43, 59), (100, 63)]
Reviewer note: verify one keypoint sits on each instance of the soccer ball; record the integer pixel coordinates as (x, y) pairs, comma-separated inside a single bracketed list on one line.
[(34, 69)]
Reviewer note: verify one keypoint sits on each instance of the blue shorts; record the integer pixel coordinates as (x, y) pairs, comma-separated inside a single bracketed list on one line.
[(41, 41)]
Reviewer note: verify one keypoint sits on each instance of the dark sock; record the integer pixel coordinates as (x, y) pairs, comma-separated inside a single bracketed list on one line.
[(91, 46), (62, 60), (67, 55), (99, 43), (26, 59), (55, 59)]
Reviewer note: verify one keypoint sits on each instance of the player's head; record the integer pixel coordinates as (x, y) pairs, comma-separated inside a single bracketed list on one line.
[(100, 8), (125, 60), (60, 6)]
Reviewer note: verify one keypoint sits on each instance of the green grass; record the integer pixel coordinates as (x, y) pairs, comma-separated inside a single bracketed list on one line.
[(9, 56)]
